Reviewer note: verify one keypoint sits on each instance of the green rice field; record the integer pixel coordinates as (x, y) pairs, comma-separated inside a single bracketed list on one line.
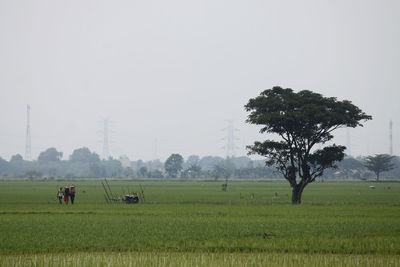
[(195, 223)]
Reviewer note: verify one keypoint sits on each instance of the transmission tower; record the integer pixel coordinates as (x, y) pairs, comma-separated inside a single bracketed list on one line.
[(28, 155), (390, 137), (106, 150), (230, 139)]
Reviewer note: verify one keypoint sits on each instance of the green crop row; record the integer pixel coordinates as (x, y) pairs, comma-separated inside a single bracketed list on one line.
[(197, 192)]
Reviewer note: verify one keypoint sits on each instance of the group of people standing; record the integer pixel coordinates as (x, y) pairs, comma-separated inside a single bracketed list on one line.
[(66, 194)]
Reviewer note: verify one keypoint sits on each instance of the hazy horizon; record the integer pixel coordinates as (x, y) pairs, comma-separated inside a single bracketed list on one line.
[(168, 75)]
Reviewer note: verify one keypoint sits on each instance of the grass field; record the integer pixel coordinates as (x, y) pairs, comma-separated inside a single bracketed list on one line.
[(195, 223)]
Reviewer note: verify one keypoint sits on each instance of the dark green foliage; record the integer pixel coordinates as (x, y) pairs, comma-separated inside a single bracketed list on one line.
[(302, 120), (379, 163), (173, 165)]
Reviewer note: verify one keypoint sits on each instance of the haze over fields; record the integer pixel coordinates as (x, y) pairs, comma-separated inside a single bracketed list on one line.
[(170, 74)]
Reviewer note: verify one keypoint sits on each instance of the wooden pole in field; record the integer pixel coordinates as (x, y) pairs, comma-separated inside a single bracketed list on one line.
[(141, 189), (107, 201), (112, 195), (105, 190)]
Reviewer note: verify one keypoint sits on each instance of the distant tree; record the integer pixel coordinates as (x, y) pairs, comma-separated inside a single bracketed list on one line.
[(192, 172), (241, 162), (139, 163), (155, 164), (156, 174), (173, 165), (192, 160), (302, 120), (50, 154), (349, 165), (219, 171), (16, 159), (95, 170), (112, 167), (143, 172), (225, 168), (84, 155), (395, 172), (18, 166), (4, 167), (208, 163), (69, 175), (379, 163), (128, 172), (33, 174)]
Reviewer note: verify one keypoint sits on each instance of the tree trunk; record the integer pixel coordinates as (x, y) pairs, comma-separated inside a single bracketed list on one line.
[(296, 194), (377, 176)]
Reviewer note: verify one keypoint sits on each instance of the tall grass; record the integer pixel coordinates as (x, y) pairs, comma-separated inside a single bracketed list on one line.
[(197, 259)]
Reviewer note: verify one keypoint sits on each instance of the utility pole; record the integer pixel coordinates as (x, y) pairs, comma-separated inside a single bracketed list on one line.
[(28, 155), (391, 137), (230, 139)]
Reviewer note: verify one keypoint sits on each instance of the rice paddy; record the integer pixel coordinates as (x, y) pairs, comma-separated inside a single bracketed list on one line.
[(195, 223)]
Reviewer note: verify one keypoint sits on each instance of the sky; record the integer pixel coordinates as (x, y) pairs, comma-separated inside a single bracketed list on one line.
[(170, 75)]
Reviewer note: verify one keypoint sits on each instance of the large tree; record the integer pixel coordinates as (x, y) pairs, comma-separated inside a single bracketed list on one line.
[(302, 120), (50, 154), (379, 163), (84, 155), (15, 159), (173, 165)]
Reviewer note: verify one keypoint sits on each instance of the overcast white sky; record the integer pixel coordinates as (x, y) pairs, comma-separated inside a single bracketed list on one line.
[(176, 71)]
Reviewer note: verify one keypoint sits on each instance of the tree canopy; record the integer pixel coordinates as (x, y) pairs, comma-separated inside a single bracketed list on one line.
[(16, 159), (173, 165), (50, 154), (84, 155), (379, 163), (302, 120)]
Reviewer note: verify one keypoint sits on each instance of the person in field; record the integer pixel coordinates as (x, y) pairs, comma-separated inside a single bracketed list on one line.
[(66, 195), (60, 195), (72, 193)]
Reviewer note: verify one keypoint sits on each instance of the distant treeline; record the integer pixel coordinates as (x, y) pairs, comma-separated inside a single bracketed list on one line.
[(86, 164)]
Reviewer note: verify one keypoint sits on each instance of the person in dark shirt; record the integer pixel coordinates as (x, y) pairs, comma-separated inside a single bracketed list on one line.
[(66, 195), (72, 193)]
